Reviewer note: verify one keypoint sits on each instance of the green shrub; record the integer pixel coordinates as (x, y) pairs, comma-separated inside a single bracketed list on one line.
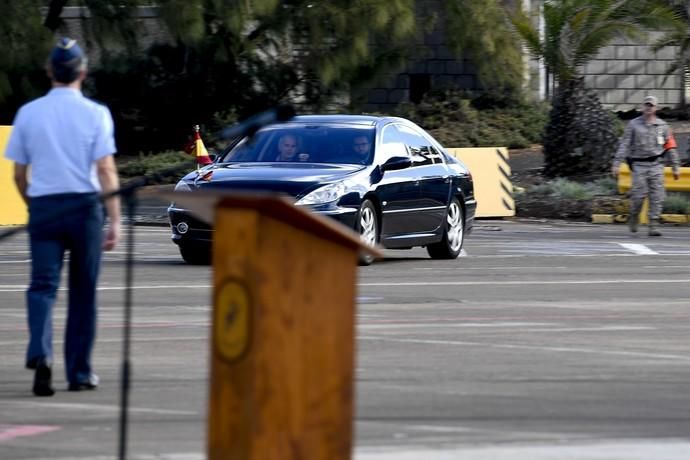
[(604, 186), (453, 119), (676, 204), (572, 190), (564, 189), (149, 163)]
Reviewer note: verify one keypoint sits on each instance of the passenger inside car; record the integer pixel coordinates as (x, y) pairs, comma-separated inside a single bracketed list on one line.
[(361, 148)]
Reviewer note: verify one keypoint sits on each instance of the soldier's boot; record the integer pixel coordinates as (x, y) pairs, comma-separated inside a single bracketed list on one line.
[(654, 228), (633, 220)]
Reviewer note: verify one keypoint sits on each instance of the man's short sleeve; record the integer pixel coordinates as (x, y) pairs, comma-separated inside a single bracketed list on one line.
[(16, 148), (104, 144)]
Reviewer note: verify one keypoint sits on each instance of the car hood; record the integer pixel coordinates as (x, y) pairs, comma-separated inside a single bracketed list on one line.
[(292, 179)]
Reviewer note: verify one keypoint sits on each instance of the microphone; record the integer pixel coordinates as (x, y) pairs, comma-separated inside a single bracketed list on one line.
[(251, 125)]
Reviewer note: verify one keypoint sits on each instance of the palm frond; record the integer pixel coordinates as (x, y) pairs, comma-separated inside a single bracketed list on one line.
[(530, 35)]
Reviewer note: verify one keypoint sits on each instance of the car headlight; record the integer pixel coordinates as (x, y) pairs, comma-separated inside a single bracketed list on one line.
[(182, 186), (325, 194)]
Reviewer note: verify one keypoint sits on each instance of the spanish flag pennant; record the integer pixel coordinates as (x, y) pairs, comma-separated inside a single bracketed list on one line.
[(197, 148)]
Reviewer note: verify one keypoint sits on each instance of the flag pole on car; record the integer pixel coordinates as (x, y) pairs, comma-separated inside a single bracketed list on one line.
[(197, 149)]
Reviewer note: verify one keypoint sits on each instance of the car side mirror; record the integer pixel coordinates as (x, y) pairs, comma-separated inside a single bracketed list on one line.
[(396, 163)]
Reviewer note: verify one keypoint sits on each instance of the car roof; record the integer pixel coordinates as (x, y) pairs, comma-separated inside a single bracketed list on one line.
[(367, 120)]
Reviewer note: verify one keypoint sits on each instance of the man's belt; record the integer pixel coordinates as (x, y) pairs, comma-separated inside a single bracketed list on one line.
[(645, 159)]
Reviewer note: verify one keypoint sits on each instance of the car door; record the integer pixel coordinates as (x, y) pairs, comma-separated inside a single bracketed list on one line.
[(434, 180), (398, 191)]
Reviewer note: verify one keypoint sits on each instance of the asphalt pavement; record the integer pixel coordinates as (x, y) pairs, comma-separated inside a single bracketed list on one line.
[(545, 340)]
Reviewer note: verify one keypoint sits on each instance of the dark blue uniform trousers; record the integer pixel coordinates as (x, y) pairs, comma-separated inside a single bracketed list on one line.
[(54, 228)]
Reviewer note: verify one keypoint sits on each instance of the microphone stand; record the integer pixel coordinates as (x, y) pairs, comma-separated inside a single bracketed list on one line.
[(130, 202)]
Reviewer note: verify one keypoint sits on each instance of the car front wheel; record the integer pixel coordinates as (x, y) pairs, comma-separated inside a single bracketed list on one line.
[(368, 230), (450, 245)]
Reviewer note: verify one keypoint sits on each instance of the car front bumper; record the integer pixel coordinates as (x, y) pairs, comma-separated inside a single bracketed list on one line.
[(470, 211), (187, 229), (345, 215)]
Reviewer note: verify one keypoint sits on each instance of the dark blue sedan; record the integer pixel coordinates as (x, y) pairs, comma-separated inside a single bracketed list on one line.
[(384, 177)]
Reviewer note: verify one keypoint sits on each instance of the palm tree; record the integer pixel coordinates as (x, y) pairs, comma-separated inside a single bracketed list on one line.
[(580, 138), (679, 37)]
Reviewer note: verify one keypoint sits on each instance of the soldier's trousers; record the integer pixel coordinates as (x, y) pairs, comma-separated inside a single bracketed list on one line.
[(647, 181)]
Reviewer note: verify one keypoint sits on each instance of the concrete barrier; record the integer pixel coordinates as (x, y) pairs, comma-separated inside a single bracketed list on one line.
[(13, 209), (491, 173)]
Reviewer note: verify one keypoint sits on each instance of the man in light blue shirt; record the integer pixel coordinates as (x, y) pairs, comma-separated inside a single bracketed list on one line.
[(62, 146)]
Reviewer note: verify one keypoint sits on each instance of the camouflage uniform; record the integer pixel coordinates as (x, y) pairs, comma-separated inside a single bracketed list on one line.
[(643, 146)]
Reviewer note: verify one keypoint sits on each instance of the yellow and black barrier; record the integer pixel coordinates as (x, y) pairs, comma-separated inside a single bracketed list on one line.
[(490, 171), (671, 185), (13, 210)]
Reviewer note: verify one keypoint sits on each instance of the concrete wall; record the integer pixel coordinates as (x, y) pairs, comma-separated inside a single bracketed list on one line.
[(432, 61), (149, 28), (623, 73)]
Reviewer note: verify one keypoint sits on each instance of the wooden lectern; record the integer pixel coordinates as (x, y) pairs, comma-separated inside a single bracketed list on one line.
[(283, 329)]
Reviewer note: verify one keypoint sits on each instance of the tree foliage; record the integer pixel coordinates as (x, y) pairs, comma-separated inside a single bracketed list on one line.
[(223, 58), (319, 48), (481, 32), (226, 59), (25, 44)]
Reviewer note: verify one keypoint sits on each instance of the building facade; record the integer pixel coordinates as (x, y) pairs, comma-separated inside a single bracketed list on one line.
[(621, 74)]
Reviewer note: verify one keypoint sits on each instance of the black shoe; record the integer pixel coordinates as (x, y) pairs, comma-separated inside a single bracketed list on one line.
[(43, 385), (87, 385)]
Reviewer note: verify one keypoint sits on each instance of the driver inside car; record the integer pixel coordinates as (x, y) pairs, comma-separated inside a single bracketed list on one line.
[(288, 146)]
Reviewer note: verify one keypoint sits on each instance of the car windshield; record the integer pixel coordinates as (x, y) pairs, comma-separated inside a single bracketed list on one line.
[(307, 143)]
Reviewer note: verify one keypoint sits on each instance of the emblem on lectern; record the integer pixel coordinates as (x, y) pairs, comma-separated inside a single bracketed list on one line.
[(231, 319)]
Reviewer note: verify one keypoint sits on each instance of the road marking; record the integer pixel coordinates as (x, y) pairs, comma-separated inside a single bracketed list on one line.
[(14, 288), (634, 449), (666, 266), (10, 432), (416, 325), (442, 429), (526, 282), (87, 408), (528, 347), (523, 267), (644, 449), (173, 338), (155, 456), (640, 249), (10, 288), (540, 327), (593, 329)]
